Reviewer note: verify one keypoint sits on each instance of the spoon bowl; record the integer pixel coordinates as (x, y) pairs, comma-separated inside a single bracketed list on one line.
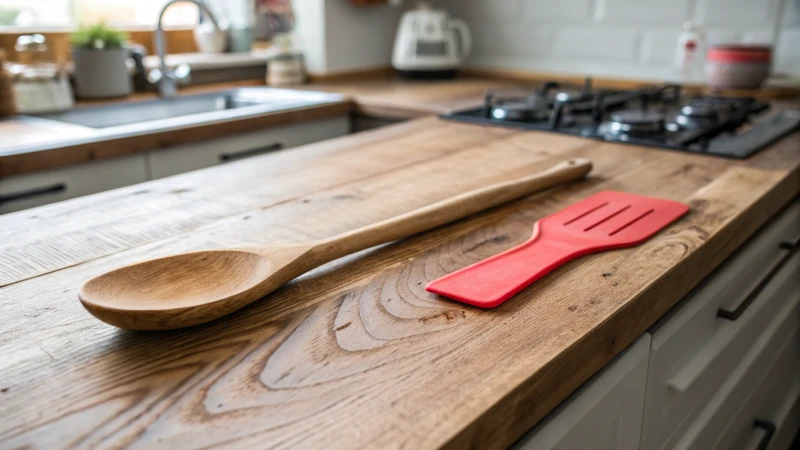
[(170, 288)]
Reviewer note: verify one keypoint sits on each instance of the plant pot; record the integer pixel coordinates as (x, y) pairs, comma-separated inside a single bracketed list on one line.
[(102, 73)]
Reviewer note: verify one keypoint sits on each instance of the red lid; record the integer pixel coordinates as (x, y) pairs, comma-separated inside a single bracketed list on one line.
[(740, 53)]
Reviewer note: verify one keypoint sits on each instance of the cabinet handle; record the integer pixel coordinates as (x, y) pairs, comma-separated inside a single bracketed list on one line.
[(791, 248), (226, 157), (769, 431), (35, 192)]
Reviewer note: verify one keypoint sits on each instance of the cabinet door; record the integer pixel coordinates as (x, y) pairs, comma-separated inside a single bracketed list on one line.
[(756, 402), (698, 344), (20, 192), (199, 155), (603, 414)]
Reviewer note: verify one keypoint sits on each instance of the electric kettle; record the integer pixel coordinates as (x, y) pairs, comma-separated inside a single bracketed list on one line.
[(430, 44)]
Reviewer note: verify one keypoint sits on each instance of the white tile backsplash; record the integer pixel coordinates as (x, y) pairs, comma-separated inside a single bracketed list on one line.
[(627, 38), (627, 11), (513, 39), (619, 38), (721, 36), (744, 13), (758, 37), (787, 51), (545, 10), (659, 48), (492, 9), (618, 44)]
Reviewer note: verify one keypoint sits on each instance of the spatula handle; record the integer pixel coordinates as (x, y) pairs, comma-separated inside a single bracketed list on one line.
[(446, 211), (492, 281)]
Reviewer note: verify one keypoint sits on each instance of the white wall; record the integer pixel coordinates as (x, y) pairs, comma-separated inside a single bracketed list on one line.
[(787, 51), (359, 37), (310, 33), (339, 37), (621, 38)]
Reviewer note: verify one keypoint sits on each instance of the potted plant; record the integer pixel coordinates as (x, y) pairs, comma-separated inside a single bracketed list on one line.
[(100, 59)]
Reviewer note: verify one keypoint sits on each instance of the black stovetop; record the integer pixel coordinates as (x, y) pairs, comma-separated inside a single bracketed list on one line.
[(659, 116)]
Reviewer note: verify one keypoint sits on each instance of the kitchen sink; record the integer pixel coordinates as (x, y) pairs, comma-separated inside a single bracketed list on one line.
[(191, 110)]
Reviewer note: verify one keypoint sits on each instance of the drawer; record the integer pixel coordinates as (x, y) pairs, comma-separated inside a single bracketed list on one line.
[(764, 387), (199, 155), (20, 192), (605, 413), (698, 343)]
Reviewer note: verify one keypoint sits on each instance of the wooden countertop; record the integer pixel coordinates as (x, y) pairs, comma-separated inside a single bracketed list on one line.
[(379, 94), (355, 354), (396, 98), (385, 97)]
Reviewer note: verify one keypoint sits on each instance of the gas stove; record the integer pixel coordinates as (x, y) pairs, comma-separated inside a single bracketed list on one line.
[(658, 116)]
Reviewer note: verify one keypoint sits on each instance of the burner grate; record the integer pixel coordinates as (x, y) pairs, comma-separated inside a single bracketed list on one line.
[(656, 116)]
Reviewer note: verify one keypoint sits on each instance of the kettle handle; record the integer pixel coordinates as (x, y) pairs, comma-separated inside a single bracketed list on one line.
[(464, 33)]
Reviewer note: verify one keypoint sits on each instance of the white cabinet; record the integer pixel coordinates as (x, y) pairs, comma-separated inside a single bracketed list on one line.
[(702, 343), (199, 155), (20, 192), (603, 414), (758, 401), (40, 188)]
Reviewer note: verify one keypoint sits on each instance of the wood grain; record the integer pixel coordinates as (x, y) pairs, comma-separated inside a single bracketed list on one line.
[(182, 204), (355, 354), (188, 289)]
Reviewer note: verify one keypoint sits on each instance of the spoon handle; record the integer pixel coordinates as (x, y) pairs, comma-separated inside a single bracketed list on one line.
[(448, 210)]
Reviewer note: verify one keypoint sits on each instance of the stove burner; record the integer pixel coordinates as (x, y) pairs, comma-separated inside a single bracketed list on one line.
[(635, 123), (528, 109), (657, 116), (572, 97), (584, 95), (702, 113), (517, 111), (699, 110)]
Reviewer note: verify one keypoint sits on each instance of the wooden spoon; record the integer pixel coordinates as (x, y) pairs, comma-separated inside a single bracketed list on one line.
[(191, 288)]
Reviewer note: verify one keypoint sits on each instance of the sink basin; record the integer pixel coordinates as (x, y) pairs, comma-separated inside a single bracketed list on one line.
[(191, 109)]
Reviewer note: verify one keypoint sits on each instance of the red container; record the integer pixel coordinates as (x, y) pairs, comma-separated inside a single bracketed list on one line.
[(738, 66)]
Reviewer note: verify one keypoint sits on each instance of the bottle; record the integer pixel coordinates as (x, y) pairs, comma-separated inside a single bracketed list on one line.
[(688, 56)]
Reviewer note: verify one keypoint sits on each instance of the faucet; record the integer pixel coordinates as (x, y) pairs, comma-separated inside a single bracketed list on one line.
[(166, 79)]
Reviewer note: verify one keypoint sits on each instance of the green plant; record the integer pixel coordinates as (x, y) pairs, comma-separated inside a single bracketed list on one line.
[(8, 15), (97, 37)]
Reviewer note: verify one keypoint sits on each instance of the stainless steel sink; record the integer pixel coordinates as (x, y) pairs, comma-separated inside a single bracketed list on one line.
[(191, 110)]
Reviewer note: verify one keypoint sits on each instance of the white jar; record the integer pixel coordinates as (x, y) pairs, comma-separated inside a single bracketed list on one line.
[(286, 69)]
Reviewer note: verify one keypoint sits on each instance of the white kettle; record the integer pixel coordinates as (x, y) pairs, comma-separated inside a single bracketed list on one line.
[(430, 44)]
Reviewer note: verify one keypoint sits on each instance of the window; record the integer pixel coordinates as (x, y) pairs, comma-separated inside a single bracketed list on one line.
[(69, 13)]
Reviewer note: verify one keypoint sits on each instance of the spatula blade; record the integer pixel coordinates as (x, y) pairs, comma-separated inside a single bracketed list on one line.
[(604, 221)]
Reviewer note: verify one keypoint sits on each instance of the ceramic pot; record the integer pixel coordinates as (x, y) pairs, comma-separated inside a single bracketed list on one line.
[(102, 73), (738, 66), (210, 39)]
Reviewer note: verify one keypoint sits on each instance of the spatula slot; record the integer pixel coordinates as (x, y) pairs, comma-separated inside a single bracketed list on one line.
[(636, 219), (607, 218), (586, 213)]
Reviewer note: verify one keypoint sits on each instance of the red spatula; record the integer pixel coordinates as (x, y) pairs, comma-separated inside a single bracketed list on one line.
[(605, 221)]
